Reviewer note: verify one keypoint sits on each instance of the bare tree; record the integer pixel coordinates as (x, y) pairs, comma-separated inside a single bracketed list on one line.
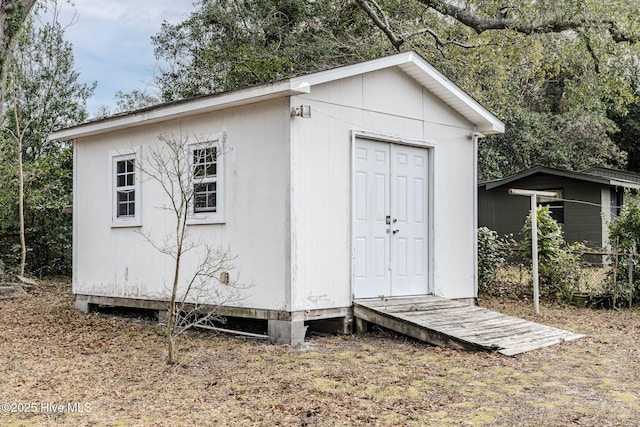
[(195, 295), (19, 137), (12, 16)]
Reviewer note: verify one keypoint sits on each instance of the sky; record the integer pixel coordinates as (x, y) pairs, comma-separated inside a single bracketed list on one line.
[(112, 42)]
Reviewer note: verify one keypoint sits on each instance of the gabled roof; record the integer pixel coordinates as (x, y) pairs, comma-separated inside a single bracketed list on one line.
[(409, 62), (589, 175)]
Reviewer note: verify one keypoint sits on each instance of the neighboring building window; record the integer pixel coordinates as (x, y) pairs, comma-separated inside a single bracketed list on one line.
[(555, 205), (208, 183), (126, 194), (617, 200)]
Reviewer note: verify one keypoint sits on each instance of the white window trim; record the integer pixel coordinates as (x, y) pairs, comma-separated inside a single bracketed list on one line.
[(136, 220), (217, 217)]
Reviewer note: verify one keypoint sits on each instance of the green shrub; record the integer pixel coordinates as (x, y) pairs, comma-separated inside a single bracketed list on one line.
[(550, 236), (624, 238), (559, 266), (492, 252), (560, 276)]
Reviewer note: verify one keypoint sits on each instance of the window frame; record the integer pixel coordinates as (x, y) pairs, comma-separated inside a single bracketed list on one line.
[(134, 220), (207, 217), (617, 198)]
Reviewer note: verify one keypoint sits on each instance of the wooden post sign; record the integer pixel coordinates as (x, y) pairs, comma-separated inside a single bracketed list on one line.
[(534, 237)]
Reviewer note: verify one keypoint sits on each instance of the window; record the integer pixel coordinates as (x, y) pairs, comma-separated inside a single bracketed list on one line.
[(125, 188), (207, 205), (205, 179), (126, 194), (617, 200), (555, 205)]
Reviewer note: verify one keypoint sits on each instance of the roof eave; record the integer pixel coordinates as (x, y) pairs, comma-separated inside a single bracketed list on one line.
[(177, 110), (624, 184), (410, 62), (596, 179), (490, 128), (438, 84), (424, 73)]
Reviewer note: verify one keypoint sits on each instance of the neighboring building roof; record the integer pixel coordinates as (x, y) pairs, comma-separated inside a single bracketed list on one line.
[(409, 62), (613, 173), (595, 175)]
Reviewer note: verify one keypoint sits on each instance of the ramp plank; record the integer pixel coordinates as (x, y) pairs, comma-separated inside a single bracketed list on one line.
[(449, 323)]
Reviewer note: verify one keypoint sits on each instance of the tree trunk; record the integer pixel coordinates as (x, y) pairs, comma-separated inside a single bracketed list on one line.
[(19, 137), (23, 242), (171, 320), (12, 15)]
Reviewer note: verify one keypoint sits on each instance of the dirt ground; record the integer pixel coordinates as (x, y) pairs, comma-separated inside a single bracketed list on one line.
[(59, 367)]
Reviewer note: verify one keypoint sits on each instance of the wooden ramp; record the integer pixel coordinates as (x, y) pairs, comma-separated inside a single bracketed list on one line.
[(457, 325)]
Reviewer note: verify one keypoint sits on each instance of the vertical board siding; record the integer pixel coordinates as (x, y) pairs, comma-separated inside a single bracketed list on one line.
[(288, 186), (119, 263), (390, 103)]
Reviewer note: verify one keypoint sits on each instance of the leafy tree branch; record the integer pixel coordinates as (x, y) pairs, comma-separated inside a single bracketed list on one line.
[(503, 18), (551, 69)]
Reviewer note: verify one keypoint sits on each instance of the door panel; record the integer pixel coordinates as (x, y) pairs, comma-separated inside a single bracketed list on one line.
[(371, 199), (410, 231), (390, 224)]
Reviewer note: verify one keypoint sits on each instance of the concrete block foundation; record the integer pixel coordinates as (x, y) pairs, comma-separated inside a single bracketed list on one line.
[(83, 306), (290, 332), (163, 316), (282, 327)]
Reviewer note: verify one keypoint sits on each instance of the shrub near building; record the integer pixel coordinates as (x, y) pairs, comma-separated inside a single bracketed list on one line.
[(559, 262), (624, 239)]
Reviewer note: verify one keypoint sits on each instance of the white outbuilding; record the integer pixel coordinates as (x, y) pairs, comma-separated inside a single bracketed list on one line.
[(356, 182)]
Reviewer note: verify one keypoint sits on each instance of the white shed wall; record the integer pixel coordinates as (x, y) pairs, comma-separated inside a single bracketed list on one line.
[(288, 195), (117, 262), (384, 102)]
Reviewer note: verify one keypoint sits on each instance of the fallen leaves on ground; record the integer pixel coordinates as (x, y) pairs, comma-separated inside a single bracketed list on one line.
[(74, 369)]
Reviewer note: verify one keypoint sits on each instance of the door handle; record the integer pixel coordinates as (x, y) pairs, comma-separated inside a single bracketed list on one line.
[(395, 230)]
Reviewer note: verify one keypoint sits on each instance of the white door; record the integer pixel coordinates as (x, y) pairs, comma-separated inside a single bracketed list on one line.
[(390, 219)]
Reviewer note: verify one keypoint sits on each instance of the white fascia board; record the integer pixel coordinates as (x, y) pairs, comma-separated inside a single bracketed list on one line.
[(416, 67), (409, 62), (183, 108), (450, 93), (624, 184), (353, 70)]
